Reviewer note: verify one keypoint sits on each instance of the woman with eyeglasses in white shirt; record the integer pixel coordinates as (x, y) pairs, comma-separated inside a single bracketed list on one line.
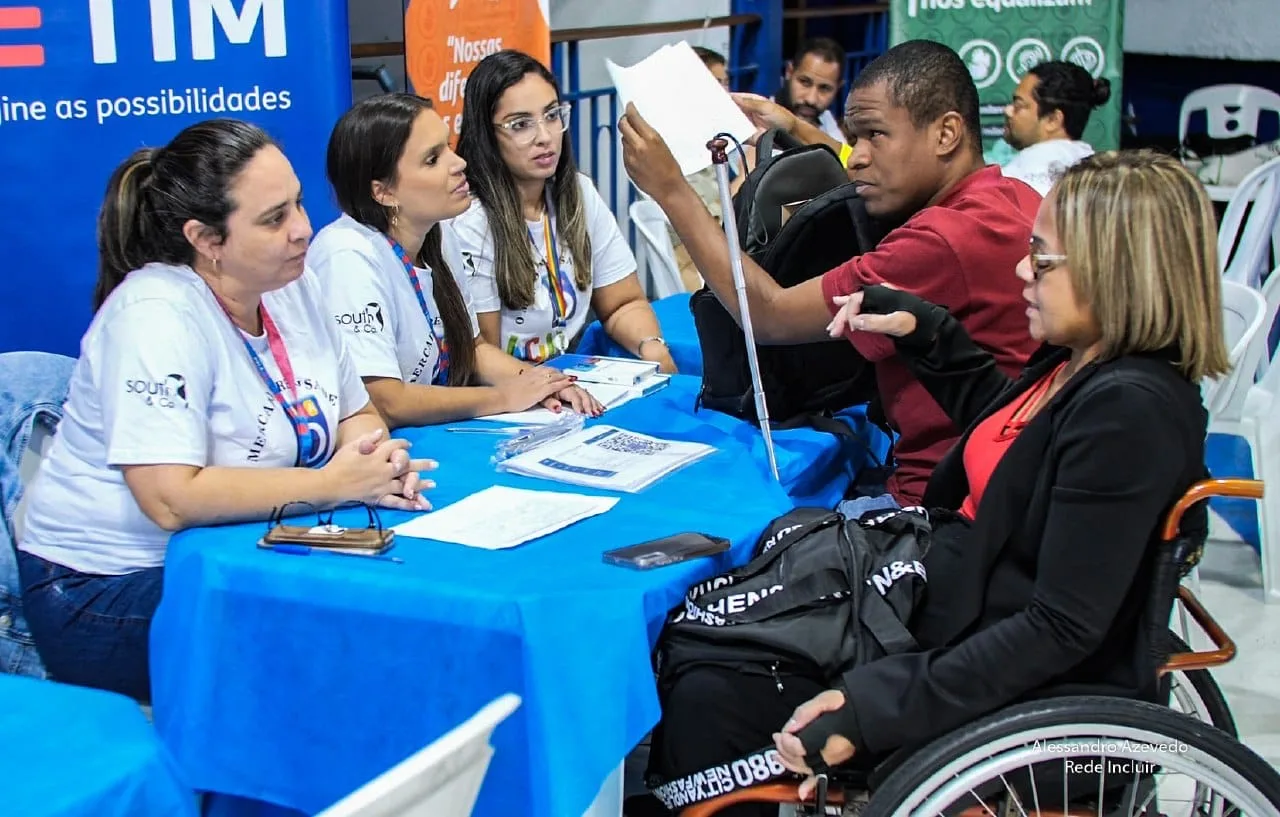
[(539, 245)]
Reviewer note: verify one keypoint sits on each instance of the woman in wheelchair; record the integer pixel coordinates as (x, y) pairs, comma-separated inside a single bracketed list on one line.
[(1059, 484)]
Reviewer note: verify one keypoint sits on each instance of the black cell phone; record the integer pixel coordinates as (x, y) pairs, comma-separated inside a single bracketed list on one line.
[(668, 550)]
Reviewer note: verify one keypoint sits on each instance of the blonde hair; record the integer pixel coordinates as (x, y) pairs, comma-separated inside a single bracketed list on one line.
[(1141, 237)]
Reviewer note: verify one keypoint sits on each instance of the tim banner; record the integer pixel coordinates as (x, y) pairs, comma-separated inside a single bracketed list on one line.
[(1001, 39), (83, 83), (444, 39)]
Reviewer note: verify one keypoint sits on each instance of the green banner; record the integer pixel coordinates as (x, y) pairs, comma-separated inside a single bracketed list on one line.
[(1001, 39)]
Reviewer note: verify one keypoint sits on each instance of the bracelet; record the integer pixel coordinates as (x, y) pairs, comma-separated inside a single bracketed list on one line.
[(643, 341)]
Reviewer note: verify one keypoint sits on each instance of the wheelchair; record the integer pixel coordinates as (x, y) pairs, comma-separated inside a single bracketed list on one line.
[(1070, 756)]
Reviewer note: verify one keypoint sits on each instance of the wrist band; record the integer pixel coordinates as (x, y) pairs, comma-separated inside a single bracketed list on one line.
[(643, 341), (845, 152)]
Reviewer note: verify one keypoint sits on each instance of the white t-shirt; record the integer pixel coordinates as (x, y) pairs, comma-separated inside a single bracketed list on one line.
[(164, 378), (1041, 164), (528, 333), (372, 300)]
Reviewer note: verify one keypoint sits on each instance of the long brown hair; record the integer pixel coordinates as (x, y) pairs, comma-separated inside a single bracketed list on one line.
[(492, 183), (366, 146)]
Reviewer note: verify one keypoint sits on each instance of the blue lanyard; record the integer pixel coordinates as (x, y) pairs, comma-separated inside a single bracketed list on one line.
[(440, 373)]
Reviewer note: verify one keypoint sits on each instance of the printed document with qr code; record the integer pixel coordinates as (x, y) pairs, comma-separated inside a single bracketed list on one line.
[(607, 457)]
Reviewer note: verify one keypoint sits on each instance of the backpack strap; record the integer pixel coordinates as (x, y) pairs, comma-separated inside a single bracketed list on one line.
[(878, 617), (755, 768)]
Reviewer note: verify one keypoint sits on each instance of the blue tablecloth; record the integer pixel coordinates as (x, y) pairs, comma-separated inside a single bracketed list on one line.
[(677, 329), (296, 679), (77, 752)]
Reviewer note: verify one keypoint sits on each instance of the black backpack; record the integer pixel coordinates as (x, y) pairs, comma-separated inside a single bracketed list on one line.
[(821, 595), (810, 380)]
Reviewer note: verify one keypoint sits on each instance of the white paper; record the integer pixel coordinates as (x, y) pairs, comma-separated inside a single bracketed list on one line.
[(610, 396), (682, 101), (500, 517), (606, 457)]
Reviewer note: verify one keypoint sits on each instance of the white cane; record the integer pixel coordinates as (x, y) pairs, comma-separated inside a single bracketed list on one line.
[(720, 159)]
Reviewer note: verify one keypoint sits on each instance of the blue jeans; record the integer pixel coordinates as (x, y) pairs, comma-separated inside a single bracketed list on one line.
[(92, 630)]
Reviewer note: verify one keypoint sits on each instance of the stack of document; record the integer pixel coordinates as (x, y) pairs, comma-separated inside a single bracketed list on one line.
[(606, 457), (682, 101), (615, 371), (611, 380)]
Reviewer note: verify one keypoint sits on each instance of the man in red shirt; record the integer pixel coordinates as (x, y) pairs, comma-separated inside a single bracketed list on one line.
[(917, 158)]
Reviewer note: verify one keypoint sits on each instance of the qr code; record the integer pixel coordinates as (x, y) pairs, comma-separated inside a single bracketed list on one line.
[(625, 443)]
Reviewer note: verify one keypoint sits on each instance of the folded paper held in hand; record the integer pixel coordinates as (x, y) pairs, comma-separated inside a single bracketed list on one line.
[(682, 101)]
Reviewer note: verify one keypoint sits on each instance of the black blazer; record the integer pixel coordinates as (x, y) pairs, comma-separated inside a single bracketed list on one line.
[(1045, 593)]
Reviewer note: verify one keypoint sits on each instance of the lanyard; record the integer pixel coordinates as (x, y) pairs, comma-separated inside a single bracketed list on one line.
[(440, 373), (555, 276), (276, 344)]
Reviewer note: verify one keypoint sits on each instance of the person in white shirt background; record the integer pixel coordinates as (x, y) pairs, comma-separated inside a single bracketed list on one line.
[(540, 246), (389, 275), (812, 79), (1046, 120), (212, 387)]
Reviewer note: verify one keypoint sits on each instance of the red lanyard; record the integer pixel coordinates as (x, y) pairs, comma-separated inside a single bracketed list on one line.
[(275, 342)]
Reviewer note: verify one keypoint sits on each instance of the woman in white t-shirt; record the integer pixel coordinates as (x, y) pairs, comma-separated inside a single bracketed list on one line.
[(387, 271), (531, 302), (212, 387)]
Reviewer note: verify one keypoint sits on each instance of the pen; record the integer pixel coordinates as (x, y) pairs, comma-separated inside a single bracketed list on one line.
[(304, 550)]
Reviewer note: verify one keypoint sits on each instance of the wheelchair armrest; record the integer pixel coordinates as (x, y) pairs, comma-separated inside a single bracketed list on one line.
[(1243, 488), (1224, 649)]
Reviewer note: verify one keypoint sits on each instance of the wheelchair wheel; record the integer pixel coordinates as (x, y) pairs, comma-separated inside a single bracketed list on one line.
[(1196, 693), (1081, 755)]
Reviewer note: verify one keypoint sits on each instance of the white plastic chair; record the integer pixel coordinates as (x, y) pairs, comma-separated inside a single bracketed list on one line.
[(442, 780), (1231, 111), (1253, 232), (1251, 410), (1244, 316), (658, 256)]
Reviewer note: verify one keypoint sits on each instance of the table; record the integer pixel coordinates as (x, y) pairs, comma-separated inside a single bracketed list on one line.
[(677, 329), (294, 680), (79, 752)]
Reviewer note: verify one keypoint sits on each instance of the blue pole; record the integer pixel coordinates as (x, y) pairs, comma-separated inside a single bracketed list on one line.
[(756, 49)]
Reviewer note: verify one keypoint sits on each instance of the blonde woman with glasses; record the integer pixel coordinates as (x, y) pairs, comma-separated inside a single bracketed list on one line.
[(1047, 511), (539, 245)]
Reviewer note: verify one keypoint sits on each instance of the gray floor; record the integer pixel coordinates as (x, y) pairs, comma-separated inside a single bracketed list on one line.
[(1231, 589)]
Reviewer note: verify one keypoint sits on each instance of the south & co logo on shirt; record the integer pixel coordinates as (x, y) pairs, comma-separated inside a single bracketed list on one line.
[(171, 392), (368, 320)]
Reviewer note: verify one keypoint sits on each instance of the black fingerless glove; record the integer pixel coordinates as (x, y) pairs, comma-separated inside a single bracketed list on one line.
[(881, 300), (814, 736)]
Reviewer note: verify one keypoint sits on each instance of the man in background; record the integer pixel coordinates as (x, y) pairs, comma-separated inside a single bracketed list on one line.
[(1046, 120), (812, 80)]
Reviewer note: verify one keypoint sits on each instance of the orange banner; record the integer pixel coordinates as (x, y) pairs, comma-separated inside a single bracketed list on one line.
[(444, 39)]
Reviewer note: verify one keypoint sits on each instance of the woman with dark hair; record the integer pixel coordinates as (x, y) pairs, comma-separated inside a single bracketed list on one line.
[(540, 245), (387, 271), (211, 387)]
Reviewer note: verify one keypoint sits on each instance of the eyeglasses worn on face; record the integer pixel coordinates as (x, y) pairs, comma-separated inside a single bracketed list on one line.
[(524, 129), (1042, 262)]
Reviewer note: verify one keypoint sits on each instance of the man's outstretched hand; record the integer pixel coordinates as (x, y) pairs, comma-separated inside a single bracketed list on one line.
[(646, 157)]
